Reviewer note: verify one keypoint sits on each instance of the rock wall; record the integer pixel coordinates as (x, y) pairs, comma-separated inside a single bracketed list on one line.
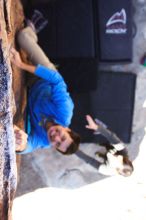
[(11, 17)]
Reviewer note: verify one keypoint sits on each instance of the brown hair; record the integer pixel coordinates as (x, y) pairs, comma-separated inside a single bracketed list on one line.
[(127, 167), (74, 145)]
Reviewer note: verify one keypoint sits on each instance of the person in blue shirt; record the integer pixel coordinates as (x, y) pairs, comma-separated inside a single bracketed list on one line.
[(50, 107)]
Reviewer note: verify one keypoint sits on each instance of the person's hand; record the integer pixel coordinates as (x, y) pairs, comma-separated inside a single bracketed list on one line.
[(91, 123), (20, 139), (15, 58)]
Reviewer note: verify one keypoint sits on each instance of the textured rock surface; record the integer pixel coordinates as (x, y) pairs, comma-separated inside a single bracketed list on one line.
[(8, 25)]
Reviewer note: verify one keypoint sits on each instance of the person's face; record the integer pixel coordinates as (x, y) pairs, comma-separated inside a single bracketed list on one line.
[(59, 137)]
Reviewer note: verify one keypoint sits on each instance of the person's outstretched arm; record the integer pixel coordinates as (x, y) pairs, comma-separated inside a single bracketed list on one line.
[(62, 102), (41, 71), (100, 128)]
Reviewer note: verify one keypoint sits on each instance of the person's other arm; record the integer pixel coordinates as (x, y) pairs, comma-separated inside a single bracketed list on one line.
[(20, 139), (26, 144)]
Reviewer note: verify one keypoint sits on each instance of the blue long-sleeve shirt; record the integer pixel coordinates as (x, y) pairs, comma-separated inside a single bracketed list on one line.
[(49, 99)]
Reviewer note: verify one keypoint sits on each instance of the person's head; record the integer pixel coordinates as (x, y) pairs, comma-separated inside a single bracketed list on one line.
[(127, 168), (118, 160), (63, 139), (121, 164)]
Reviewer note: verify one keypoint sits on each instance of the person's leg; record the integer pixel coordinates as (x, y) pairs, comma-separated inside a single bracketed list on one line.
[(27, 40)]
